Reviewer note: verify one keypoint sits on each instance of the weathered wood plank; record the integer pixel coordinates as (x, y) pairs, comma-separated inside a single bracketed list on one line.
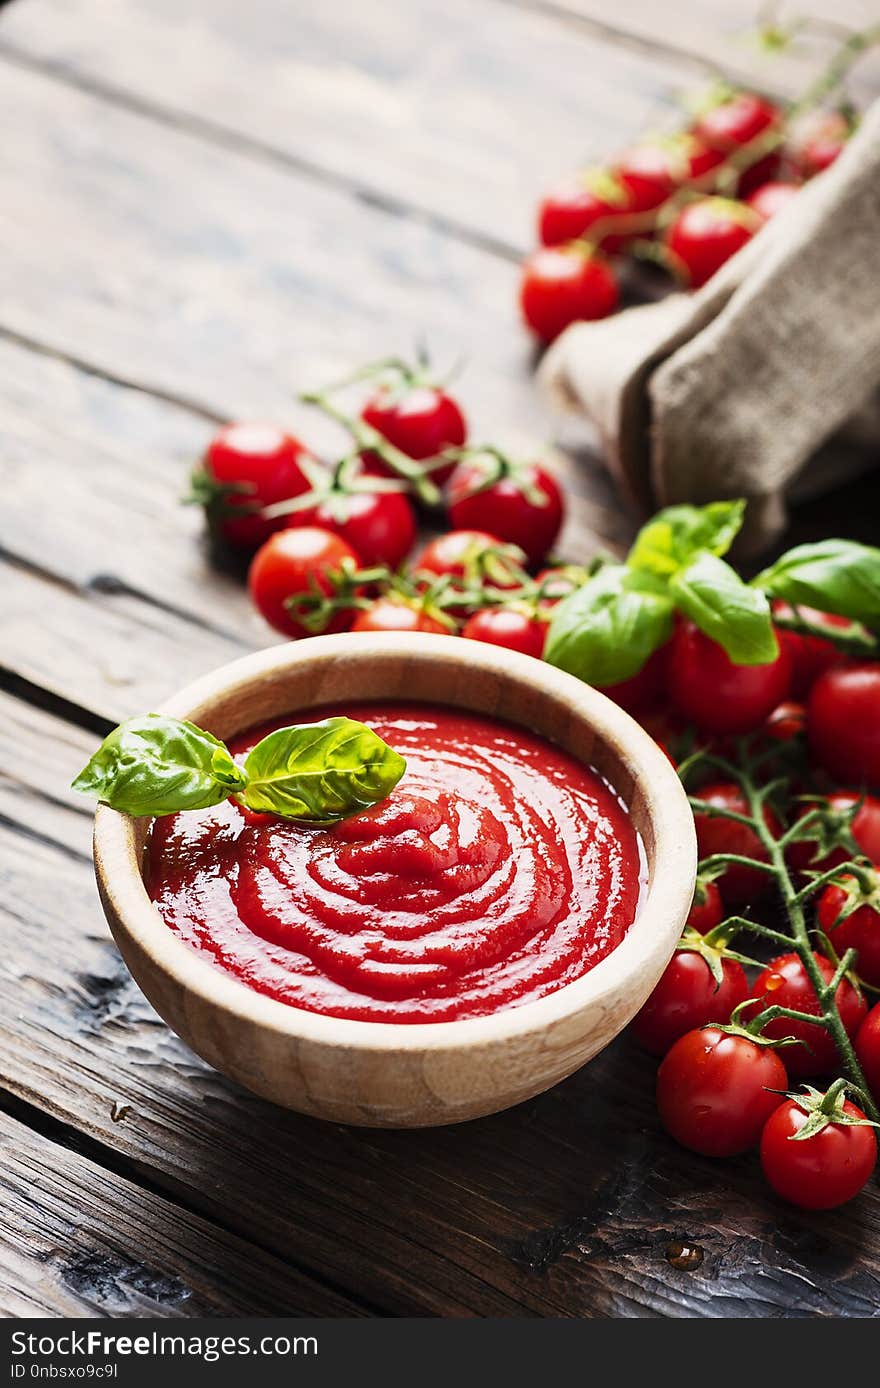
[(566, 1205), (457, 109), (78, 1240), (716, 35)]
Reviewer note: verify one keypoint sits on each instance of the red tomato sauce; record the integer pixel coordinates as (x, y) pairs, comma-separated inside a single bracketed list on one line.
[(497, 871)]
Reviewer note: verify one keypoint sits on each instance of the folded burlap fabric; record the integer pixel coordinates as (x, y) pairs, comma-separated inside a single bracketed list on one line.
[(734, 390)]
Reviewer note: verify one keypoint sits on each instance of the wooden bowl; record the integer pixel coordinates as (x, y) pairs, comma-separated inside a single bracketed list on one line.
[(382, 1074)]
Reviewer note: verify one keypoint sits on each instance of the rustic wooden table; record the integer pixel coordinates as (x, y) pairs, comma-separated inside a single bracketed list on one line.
[(205, 206)]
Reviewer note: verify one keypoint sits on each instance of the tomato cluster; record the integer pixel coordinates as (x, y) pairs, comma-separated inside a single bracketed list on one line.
[(689, 200)]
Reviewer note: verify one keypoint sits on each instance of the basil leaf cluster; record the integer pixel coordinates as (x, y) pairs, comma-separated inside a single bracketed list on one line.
[(314, 773)]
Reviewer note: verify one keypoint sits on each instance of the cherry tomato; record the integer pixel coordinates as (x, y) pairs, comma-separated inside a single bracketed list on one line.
[(707, 910), (821, 142), (739, 883), (577, 207), (706, 687), (843, 722), (737, 121), (810, 655), (521, 502), (419, 420), (643, 690), (784, 983), (707, 233), (860, 930), (868, 1049), (380, 526), (559, 582), (651, 172), (504, 626), (822, 1171), (455, 551), (295, 561), (770, 198), (562, 285), (264, 463), (393, 614), (686, 997), (714, 1091), (865, 830), (788, 720)]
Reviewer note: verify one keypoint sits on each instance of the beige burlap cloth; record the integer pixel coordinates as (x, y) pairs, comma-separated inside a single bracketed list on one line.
[(734, 390)]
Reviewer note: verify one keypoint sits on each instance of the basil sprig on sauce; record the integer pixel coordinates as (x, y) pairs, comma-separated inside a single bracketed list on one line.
[(606, 630), (315, 773)]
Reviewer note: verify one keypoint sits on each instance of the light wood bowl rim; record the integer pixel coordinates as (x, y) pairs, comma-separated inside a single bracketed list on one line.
[(664, 906)]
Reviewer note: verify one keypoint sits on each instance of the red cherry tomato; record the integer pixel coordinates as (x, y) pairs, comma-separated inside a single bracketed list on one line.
[(707, 233), (291, 562), (392, 614), (504, 626), (859, 931), (707, 910), (865, 830), (868, 1049), (737, 122), (419, 420), (643, 690), (822, 1171), (714, 1091), (843, 722), (810, 655), (523, 505), (562, 285), (686, 997), (770, 198), (785, 983), (455, 551), (381, 526), (739, 883), (788, 720), (264, 463), (581, 207), (707, 688), (821, 142)]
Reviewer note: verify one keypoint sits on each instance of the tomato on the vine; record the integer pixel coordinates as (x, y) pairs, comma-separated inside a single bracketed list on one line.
[(770, 198), (397, 614), (822, 142), (707, 233), (707, 909), (718, 696), (843, 722), (864, 827), (565, 284), (785, 983), (643, 690), (823, 1170), (246, 467), (715, 1091), (581, 206), (737, 122), (520, 501), (459, 552), (652, 170), (868, 1050), (860, 930), (686, 997), (508, 627), (293, 562), (810, 655), (788, 720), (715, 834), (419, 420)]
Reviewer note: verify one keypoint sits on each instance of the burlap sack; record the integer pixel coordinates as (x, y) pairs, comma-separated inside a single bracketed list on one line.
[(734, 390)]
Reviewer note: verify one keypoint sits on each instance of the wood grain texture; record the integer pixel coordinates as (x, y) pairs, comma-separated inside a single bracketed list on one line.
[(78, 1240), (456, 110), (566, 1205)]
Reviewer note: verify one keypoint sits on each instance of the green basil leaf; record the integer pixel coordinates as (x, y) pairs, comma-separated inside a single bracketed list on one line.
[(321, 772), (157, 765), (838, 576), (677, 534), (714, 596), (606, 630)]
